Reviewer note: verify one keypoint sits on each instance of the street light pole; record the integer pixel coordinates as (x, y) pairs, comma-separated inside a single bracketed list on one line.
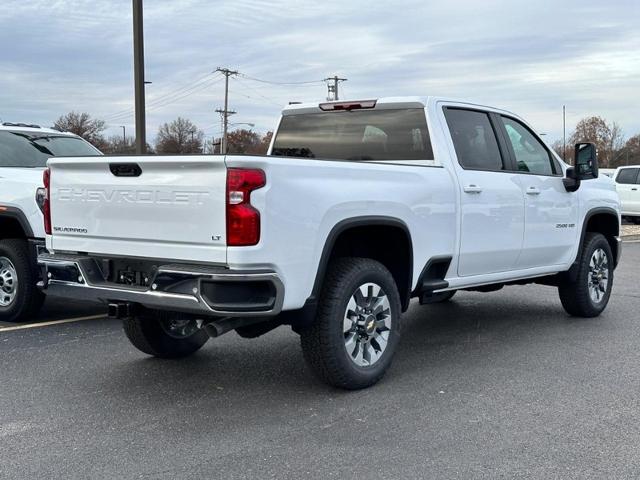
[(124, 137), (564, 133)]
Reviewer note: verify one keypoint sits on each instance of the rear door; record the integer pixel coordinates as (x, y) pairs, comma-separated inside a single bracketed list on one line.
[(153, 207), (551, 213), (491, 200), (628, 187)]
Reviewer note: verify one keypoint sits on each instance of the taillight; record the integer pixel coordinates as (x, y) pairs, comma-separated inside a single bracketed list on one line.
[(243, 221), (46, 206)]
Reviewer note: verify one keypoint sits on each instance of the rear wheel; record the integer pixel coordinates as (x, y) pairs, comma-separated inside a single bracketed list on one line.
[(589, 294), (357, 328), (164, 334), (20, 298)]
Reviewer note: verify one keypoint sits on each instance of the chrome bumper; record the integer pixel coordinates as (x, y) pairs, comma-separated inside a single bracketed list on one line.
[(175, 287)]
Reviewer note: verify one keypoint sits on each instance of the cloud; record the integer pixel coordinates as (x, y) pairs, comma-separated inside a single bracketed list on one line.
[(529, 57)]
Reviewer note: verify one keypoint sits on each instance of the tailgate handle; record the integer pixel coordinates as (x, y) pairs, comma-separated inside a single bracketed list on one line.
[(125, 169)]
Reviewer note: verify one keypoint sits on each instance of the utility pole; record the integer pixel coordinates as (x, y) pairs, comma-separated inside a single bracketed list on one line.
[(225, 113), (138, 73), (124, 138), (332, 90)]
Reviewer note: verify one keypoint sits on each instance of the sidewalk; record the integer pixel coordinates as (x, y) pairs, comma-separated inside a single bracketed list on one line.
[(630, 232)]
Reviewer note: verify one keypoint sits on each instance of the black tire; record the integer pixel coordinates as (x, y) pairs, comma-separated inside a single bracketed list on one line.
[(27, 299), (149, 335), (439, 297), (575, 296), (323, 344)]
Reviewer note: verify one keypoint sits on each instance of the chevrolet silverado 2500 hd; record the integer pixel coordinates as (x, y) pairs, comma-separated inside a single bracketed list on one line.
[(358, 207)]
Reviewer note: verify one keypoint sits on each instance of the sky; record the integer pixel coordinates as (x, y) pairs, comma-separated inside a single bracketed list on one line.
[(527, 57)]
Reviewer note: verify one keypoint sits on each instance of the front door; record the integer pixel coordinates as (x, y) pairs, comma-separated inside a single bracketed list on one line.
[(551, 213)]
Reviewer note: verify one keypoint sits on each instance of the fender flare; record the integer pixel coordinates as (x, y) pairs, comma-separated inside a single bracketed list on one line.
[(573, 270), (18, 215), (354, 222)]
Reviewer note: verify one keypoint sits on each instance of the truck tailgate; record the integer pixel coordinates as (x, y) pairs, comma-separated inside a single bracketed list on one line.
[(165, 207)]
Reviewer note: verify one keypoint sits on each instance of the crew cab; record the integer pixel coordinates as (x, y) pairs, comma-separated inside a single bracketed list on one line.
[(24, 150), (358, 207)]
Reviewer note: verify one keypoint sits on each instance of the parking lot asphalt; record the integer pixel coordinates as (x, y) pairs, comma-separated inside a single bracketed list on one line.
[(496, 385)]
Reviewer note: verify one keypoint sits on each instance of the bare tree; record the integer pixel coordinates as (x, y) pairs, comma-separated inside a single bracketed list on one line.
[(248, 142), (84, 126), (118, 144), (565, 152), (179, 136), (606, 136)]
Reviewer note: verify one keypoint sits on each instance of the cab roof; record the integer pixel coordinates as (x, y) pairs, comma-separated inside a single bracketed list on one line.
[(382, 103)]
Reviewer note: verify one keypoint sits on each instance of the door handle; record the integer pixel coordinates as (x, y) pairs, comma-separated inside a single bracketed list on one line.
[(634, 189), (533, 191), (472, 188)]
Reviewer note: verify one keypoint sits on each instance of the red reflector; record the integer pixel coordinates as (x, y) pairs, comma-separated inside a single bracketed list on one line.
[(348, 105), (46, 180), (243, 220)]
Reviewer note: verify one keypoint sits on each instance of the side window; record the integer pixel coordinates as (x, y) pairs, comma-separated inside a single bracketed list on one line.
[(628, 176), (531, 155), (474, 139)]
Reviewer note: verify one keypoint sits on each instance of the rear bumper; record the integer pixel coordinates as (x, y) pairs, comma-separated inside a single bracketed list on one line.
[(197, 289)]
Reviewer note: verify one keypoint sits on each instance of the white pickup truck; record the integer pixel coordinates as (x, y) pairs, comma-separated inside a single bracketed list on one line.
[(24, 151), (358, 207)]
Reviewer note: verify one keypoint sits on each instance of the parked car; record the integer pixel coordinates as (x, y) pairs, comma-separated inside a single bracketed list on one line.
[(24, 150), (358, 207), (628, 185)]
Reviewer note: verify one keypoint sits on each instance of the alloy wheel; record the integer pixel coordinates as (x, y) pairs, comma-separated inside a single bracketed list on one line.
[(367, 324)]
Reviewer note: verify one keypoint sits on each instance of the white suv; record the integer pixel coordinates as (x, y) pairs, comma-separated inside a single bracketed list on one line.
[(24, 151), (628, 185)]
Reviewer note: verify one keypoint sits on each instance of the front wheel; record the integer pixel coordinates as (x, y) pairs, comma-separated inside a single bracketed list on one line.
[(357, 328), (589, 294), (164, 334)]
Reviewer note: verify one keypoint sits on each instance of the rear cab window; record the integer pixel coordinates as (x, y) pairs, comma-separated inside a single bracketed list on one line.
[(356, 135)]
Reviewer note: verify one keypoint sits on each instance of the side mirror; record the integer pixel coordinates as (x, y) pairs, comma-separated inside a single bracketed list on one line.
[(586, 162), (571, 181)]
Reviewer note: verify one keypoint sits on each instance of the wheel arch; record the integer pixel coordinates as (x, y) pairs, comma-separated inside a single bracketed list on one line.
[(14, 224), (602, 220), (398, 260)]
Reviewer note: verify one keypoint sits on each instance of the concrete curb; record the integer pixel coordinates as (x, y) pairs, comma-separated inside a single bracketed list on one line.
[(631, 238)]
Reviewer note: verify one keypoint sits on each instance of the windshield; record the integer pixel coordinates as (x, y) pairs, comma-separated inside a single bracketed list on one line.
[(32, 149), (393, 134)]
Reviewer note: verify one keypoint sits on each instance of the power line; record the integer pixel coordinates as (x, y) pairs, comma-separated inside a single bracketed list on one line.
[(169, 98), (269, 99), (271, 82)]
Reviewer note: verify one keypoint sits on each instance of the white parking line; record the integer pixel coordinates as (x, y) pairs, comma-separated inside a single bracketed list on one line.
[(52, 322)]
